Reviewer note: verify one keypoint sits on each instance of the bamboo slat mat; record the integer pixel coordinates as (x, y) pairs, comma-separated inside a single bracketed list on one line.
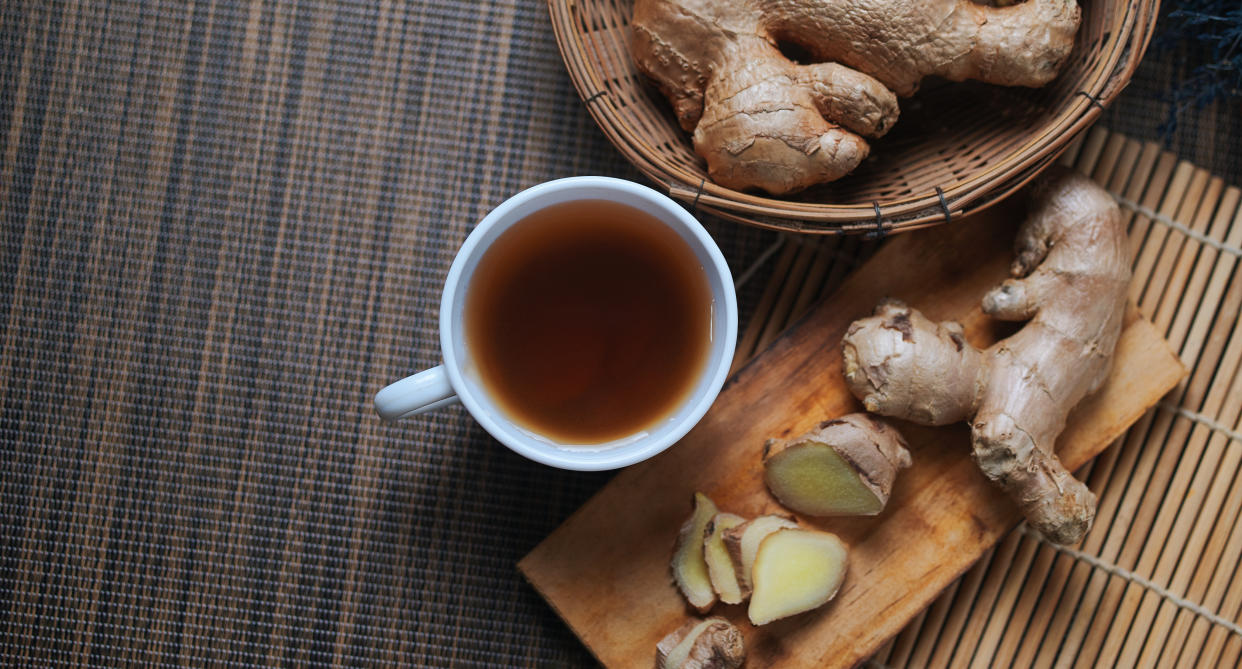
[(1157, 580)]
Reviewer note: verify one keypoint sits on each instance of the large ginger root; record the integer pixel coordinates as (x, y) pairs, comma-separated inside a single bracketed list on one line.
[(844, 467), (761, 120), (1071, 277), (795, 571), (690, 572), (702, 644)]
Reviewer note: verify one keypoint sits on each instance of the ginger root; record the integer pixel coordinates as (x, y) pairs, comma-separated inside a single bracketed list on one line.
[(802, 571), (690, 572), (761, 120), (720, 569), (742, 543), (713, 643), (795, 571), (1070, 280), (843, 467)]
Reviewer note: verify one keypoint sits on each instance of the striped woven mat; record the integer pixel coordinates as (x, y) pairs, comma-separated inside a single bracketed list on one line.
[(226, 224)]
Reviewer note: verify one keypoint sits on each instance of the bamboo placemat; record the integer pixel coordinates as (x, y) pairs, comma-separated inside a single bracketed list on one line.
[(1156, 582)]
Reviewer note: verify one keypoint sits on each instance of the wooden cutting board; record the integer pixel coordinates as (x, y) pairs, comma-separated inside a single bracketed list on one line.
[(605, 570)]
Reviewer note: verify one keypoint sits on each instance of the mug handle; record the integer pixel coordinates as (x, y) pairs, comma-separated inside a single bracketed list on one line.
[(420, 393)]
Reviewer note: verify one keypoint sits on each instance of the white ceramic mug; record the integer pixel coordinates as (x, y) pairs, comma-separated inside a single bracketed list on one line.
[(457, 381)]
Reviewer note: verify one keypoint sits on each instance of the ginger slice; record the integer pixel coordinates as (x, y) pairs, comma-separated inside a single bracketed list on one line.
[(689, 568), (795, 570), (719, 565), (707, 644), (742, 543), (843, 467)]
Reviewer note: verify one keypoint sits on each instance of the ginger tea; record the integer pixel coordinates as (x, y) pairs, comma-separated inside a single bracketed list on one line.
[(589, 321)]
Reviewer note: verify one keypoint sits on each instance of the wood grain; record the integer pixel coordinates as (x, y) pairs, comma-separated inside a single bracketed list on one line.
[(605, 570)]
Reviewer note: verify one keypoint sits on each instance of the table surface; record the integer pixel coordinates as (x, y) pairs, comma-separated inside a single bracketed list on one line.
[(225, 225)]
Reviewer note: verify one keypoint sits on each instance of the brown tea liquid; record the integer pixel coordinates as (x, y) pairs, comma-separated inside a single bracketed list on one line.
[(588, 321)]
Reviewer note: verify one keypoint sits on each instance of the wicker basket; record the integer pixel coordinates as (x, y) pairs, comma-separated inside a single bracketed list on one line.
[(956, 149)]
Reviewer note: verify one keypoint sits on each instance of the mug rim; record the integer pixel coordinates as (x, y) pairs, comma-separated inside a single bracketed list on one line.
[(487, 412)]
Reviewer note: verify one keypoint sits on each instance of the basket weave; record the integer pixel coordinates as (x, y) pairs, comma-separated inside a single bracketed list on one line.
[(956, 149)]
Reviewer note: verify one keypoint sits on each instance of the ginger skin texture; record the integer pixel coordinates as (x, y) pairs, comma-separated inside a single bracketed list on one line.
[(1070, 281), (844, 467), (713, 643), (762, 120)]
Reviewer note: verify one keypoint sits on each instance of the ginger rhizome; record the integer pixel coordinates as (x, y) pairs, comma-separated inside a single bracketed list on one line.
[(713, 643), (844, 467), (762, 120), (783, 569), (690, 572), (720, 567), (742, 543), (1070, 282), (795, 571)]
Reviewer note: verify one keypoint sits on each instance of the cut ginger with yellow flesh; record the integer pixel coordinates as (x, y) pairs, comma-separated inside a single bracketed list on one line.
[(742, 543), (720, 567), (795, 571), (690, 572), (782, 568), (843, 467)]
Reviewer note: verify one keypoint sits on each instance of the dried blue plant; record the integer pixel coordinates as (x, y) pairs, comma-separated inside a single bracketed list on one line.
[(1212, 31)]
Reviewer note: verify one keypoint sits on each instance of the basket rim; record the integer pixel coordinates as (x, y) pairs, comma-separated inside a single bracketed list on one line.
[(1119, 56)]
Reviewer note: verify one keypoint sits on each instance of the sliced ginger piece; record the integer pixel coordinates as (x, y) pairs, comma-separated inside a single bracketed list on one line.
[(689, 568), (719, 565), (795, 571), (844, 467), (702, 644), (742, 543)]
